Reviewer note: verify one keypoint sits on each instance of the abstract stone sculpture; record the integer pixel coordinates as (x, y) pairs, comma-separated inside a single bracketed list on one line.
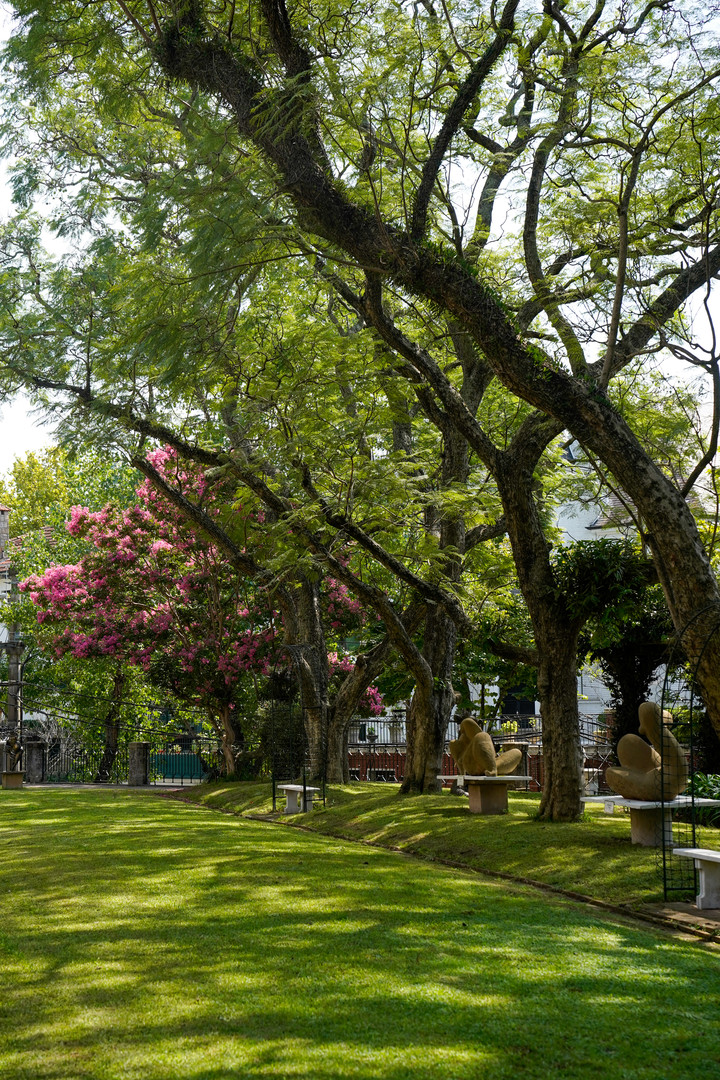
[(474, 753), (649, 773), (13, 753)]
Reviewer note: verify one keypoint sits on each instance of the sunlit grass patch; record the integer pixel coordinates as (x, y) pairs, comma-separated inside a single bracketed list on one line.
[(142, 939), (593, 856)]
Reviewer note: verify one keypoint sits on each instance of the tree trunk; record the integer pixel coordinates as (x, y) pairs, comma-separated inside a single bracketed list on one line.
[(427, 725), (112, 731), (326, 721), (556, 636), (365, 670), (693, 598), (322, 746), (310, 663), (683, 567), (231, 740), (433, 698), (561, 746), (336, 756), (430, 708)]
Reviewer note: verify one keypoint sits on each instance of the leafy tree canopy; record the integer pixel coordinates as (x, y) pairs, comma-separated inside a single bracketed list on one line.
[(40, 488), (153, 593), (523, 194)]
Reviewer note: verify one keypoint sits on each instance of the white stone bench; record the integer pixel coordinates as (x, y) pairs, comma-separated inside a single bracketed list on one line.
[(299, 797), (650, 820), (487, 794), (707, 863)]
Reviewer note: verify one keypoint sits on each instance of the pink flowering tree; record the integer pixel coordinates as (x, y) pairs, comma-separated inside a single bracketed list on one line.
[(155, 592)]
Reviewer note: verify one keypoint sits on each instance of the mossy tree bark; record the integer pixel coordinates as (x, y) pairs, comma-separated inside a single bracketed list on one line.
[(555, 632)]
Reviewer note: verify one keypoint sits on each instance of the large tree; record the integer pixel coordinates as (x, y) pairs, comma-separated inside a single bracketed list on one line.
[(153, 593), (534, 185), (99, 703), (318, 434)]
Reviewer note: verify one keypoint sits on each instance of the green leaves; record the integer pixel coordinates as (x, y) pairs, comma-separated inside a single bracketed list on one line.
[(40, 489), (603, 580)]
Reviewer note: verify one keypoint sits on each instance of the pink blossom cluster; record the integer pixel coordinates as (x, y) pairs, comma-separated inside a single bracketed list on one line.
[(371, 703), (344, 612), (151, 588)]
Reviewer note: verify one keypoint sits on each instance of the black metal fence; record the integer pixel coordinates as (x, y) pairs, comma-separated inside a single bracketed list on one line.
[(172, 765), (678, 825), (376, 750), (74, 765)]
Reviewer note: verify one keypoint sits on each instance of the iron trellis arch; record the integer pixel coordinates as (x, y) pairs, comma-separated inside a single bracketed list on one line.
[(679, 875)]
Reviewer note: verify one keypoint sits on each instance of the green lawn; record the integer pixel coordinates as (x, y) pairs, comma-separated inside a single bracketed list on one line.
[(593, 856), (143, 938)]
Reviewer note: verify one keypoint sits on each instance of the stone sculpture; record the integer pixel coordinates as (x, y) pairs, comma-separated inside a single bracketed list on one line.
[(649, 772), (474, 753), (13, 753)]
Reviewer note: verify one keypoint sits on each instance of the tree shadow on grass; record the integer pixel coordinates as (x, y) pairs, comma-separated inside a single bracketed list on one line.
[(199, 947)]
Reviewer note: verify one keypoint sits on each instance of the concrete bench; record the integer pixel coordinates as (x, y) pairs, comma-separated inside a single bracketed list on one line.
[(707, 864), (650, 821), (299, 797), (487, 794)]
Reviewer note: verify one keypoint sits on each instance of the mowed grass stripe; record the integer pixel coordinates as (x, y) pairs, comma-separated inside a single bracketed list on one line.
[(593, 856), (143, 939)]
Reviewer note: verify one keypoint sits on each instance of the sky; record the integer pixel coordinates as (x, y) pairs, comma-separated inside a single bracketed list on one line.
[(20, 432)]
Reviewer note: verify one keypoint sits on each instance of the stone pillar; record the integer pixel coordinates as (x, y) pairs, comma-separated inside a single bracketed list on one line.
[(14, 649), (4, 528), (34, 761), (138, 763), (3, 757)]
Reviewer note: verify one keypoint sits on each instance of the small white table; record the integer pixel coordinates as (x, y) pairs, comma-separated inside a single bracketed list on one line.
[(487, 794), (707, 864), (296, 802), (650, 821)]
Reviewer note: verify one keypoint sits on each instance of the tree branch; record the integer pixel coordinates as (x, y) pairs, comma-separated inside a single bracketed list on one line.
[(480, 533), (664, 307), (453, 118), (426, 367), (203, 521), (342, 523)]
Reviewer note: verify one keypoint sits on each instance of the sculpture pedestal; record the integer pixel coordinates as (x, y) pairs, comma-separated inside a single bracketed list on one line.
[(649, 821), (651, 826), (13, 779), (487, 794)]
